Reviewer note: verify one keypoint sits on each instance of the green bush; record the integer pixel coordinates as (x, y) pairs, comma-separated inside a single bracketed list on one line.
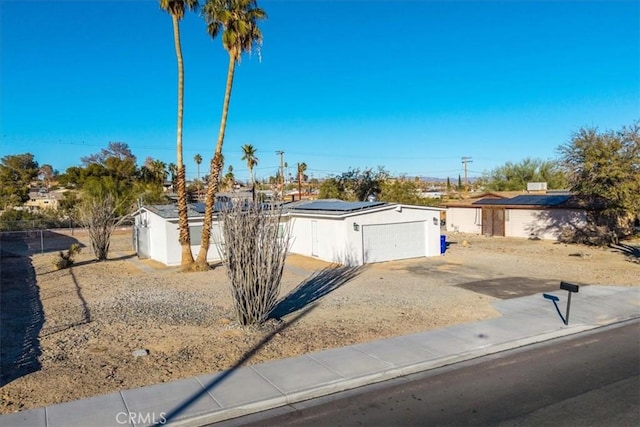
[(63, 260)]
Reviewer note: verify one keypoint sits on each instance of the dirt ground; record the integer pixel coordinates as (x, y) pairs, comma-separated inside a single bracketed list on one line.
[(70, 334)]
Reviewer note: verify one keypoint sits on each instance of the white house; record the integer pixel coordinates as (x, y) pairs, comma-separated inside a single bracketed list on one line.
[(542, 216), (352, 233), (358, 233)]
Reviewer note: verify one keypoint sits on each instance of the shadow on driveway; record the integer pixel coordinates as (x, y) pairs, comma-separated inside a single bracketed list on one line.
[(511, 287)]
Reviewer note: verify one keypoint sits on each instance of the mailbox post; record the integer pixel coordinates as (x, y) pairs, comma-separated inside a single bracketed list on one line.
[(570, 288)]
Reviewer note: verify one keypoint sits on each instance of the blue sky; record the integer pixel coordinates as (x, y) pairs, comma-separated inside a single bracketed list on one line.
[(410, 85)]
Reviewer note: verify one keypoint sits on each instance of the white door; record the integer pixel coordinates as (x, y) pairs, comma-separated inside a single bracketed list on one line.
[(314, 238), (385, 242)]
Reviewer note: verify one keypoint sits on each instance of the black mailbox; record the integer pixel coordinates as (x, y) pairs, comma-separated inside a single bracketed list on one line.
[(569, 287)]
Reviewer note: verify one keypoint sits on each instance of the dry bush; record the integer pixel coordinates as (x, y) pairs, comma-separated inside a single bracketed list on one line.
[(253, 249), (99, 216)]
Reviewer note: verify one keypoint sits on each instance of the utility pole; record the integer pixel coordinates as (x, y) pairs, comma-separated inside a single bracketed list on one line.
[(465, 161), (299, 185), (281, 154)]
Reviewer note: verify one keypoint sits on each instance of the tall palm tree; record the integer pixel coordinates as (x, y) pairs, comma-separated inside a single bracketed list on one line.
[(176, 9), (237, 19), (198, 159), (302, 167), (173, 173), (249, 155)]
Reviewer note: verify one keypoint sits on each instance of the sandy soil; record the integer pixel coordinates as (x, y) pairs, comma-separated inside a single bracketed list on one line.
[(70, 334)]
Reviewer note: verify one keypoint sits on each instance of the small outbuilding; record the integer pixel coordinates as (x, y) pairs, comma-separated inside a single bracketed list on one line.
[(156, 233), (351, 233)]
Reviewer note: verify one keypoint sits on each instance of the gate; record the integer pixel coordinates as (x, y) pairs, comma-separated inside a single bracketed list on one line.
[(493, 221)]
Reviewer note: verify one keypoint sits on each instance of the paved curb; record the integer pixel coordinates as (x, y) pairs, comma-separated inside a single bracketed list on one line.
[(350, 384)]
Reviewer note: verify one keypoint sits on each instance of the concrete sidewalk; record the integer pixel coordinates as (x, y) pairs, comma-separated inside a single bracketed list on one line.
[(225, 395)]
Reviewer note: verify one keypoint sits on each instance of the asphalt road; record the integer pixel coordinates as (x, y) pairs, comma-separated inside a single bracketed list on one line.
[(582, 380)]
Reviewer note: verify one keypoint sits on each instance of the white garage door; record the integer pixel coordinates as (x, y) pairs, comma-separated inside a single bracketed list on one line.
[(386, 242)]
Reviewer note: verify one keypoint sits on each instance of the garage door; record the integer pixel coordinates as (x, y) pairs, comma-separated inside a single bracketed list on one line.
[(386, 242)]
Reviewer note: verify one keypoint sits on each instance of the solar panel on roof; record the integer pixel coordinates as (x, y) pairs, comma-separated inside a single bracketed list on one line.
[(336, 205), (490, 202), (541, 200), (222, 203), (527, 200), (198, 207)]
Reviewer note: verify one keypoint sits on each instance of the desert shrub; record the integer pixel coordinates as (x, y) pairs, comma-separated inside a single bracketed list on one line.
[(98, 214), (253, 249), (63, 260)]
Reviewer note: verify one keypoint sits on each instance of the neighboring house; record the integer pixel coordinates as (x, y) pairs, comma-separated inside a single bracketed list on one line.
[(543, 216), (43, 199), (352, 233)]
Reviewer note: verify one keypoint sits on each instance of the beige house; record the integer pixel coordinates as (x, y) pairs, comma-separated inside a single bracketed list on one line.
[(43, 199), (542, 216)]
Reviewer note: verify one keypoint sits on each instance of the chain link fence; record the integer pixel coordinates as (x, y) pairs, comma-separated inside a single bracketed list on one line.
[(29, 242), (28, 237)]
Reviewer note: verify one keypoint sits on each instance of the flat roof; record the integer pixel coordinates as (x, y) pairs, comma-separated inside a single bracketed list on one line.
[(528, 200), (331, 205)]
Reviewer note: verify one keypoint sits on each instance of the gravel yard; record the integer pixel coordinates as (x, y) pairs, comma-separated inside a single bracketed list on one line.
[(71, 334)]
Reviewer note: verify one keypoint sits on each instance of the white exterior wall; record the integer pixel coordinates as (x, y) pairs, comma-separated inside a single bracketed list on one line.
[(174, 251), (545, 224), (464, 220), (330, 237), (172, 243), (339, 242), (164, 239), (157, 233)]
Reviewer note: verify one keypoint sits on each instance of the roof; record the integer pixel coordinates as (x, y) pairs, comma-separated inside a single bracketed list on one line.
[(567, 201), (171, 211), (323, 207), (330, 206), (341, 208), (544, 200)]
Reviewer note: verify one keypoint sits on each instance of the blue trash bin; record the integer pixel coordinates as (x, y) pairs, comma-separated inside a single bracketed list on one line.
[(443, 244)]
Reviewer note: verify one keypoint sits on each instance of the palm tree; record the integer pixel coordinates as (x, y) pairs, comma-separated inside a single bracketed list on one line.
[(302, 167), (198, 159), (176, 9), (237, 21), (249, 154), (158, 170), (173, 171), (229, 178)]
